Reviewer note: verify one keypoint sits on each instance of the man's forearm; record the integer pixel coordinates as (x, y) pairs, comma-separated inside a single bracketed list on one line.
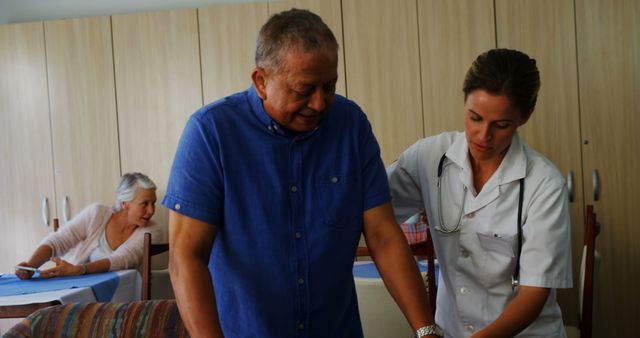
[(402, 278), (195, 297)]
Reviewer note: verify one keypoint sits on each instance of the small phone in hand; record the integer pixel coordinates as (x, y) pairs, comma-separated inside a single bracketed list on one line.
[(28, 268)]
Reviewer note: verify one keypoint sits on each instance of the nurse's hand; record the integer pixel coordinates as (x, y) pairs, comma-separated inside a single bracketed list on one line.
[(62, 268)]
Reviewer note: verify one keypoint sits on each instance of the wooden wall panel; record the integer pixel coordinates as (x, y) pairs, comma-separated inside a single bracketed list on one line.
[(83, 112), (228, 45), (26, 175), (383, 69), (452, 34), (158, 86), (545, 31), (609, 70)]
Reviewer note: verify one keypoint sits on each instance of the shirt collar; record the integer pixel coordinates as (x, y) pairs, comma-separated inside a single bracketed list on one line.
[(258, 109), (513, 166)]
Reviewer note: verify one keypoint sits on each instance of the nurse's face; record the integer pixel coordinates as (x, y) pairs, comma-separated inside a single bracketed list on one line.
[(489, 124)]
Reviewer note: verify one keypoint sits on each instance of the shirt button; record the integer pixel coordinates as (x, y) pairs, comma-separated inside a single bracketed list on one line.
[(464, 290), (300, 281), (464, 253), (294, 188), (301, 326), (298, 235), (334, 179), (178, 206)]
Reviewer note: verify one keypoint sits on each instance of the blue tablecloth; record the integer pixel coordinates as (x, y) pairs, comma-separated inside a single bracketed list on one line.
[(104, 285), (369, 270)]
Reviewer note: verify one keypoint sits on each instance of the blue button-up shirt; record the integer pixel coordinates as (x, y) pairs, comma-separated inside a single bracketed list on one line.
[(288, 211)]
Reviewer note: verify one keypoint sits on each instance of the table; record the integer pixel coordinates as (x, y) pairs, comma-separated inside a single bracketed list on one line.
[(128, 288)]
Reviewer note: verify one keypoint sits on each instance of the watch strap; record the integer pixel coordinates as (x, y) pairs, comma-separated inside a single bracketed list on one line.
[(429, 330)]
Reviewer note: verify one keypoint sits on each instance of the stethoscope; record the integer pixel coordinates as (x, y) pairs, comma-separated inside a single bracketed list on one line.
[(443, 228)]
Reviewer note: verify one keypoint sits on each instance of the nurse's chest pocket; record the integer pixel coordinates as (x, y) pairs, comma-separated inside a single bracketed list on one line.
[(499, 258), (500, 245), (340, 200)]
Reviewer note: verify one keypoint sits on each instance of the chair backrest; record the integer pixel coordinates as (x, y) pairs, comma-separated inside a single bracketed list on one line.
[(591, 231), (149, 251)]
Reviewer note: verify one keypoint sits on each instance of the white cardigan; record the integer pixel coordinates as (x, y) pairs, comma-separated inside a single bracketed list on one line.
[(83, 232)]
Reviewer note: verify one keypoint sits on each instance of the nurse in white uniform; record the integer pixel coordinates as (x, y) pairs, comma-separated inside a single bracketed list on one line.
[(500, 217)]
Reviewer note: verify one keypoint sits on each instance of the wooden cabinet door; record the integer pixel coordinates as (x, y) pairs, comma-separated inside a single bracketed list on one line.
[(452, 34), (545, 30), (26, 175), (83, 112), (383, 70), (331, 13), (228, 46), (158, 86), (609, 73)]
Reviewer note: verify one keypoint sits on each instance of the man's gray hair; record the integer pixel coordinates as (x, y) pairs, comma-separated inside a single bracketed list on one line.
[(128, 188), (290, 30)]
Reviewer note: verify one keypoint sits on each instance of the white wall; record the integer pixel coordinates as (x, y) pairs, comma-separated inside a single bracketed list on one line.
[(12, 11)]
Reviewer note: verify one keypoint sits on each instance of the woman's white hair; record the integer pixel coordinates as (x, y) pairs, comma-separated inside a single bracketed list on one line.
[(128, 188)]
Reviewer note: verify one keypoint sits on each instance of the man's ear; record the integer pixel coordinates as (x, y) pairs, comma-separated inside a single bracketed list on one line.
[(259, 78)]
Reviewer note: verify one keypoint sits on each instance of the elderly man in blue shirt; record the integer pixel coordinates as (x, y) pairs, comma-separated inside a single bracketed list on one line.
[(269, 193)]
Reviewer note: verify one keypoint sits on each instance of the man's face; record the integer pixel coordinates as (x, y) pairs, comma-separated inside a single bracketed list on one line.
[(298, 95)]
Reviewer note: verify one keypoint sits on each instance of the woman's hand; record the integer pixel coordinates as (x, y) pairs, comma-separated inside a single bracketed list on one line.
[(24, 274), (62, 268)]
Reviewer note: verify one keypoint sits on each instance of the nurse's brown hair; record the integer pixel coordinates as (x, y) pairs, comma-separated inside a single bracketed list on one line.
[(505, 72)]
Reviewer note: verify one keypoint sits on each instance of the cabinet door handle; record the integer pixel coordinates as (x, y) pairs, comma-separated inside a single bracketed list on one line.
[(44, 209), (65, 209), (595, 180), (570, 186)]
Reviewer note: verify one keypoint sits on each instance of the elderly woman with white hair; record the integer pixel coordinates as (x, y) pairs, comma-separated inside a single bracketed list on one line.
[(104, 238)]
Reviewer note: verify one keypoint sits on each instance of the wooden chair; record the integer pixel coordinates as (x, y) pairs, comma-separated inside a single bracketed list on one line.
[(149, 251), (588, 267)]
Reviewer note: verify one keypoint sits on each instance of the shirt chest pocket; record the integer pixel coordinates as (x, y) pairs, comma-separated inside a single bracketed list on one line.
[(339, 199), (498, 260)]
